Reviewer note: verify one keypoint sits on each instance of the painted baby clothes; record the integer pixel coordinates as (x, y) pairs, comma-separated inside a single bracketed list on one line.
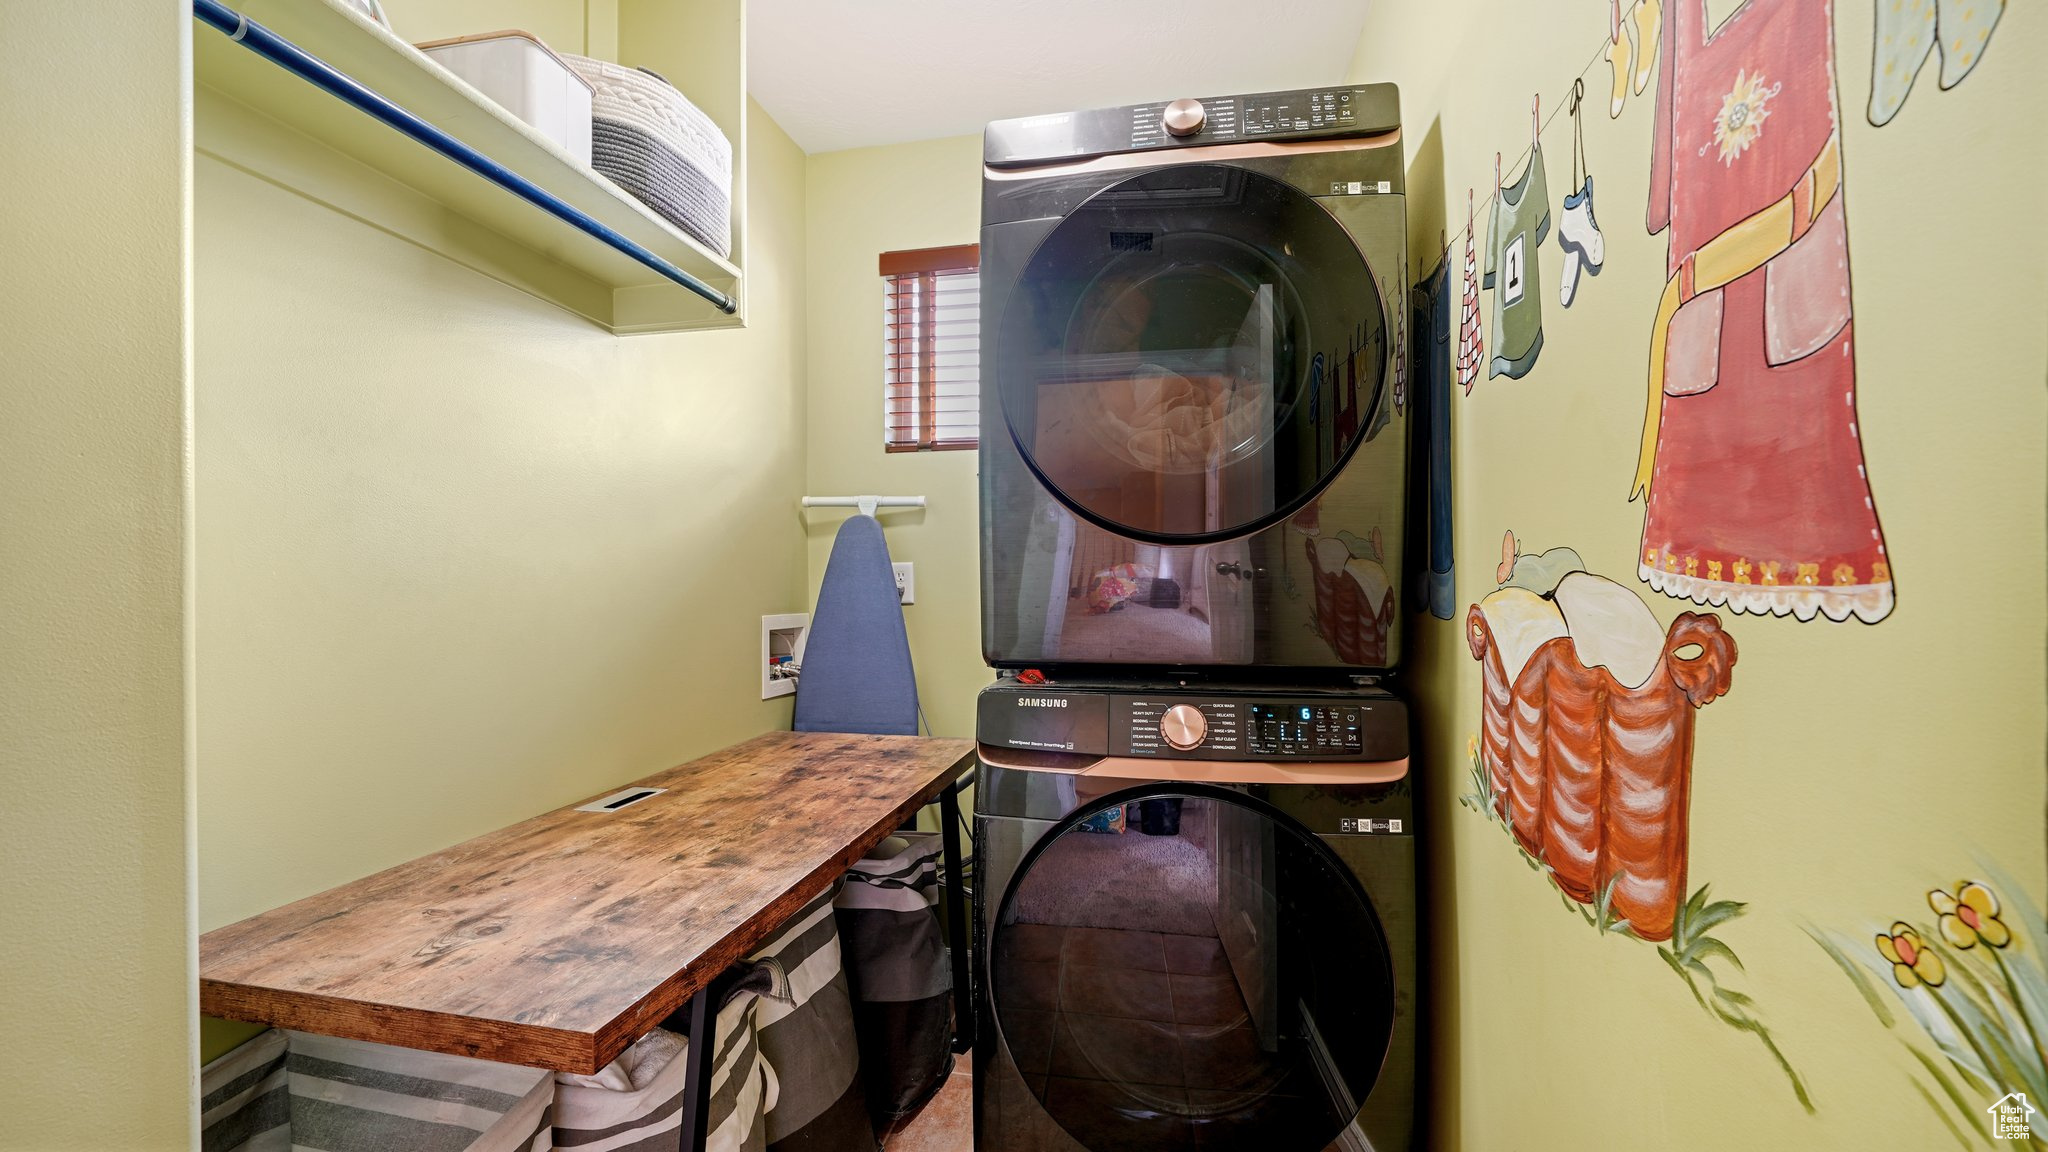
[(1471, 342), (1909, 30), (1515, 231), (1751, 456), (1578, 233)]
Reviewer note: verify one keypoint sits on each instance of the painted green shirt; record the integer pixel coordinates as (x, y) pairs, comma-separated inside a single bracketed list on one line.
[(1515, 231)]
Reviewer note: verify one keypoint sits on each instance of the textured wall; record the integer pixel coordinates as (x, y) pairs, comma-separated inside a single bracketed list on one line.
[(95, 825), (862, 203), (1851, 768), (462, 557)]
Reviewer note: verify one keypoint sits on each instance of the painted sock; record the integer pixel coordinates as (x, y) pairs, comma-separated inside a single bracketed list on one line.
[(1648, 18), (1618, 55), (1578, 233)]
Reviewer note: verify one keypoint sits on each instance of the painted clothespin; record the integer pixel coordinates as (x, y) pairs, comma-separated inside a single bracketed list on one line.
[(1536, 122)]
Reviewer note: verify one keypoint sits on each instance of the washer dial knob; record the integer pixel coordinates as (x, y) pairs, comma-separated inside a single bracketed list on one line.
[(1183, 727), (1184, 117)]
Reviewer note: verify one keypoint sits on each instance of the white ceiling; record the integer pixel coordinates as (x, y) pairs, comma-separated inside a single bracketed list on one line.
[(851, 73)]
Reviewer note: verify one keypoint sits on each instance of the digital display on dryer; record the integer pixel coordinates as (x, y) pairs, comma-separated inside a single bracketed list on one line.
[(1303, 729)]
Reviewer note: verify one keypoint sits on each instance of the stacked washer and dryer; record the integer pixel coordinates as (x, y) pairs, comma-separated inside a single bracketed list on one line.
[(1195, 918)]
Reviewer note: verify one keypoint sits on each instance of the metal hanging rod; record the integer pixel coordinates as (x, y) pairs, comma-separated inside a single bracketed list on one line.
[(866, 504), (296, 60)]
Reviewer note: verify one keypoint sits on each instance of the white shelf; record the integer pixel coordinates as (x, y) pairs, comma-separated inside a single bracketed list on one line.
[(432, 200)]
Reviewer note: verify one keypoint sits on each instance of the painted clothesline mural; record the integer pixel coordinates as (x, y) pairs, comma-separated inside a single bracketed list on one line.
[(1585, 758), (1756, 492), (1981, 22), (1751, 466), (1756, 499)]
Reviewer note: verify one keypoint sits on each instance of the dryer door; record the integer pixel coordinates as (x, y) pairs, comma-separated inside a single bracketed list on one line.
[(1192, 354), (1177, 966)]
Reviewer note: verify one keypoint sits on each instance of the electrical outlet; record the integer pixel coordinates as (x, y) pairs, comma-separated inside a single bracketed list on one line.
[(906, 582)]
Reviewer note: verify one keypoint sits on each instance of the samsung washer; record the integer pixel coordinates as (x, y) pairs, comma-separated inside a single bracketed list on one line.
[(1195, 923)]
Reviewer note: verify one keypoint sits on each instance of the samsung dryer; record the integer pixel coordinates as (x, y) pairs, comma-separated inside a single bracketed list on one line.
[(1195, 919), (1193, 451)]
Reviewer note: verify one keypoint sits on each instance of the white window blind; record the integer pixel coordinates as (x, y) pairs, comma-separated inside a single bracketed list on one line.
[(931, 325)]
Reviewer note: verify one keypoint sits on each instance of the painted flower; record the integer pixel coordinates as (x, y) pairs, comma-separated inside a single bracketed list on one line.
[(1743, 112), (1969, 916), (1912, 963)]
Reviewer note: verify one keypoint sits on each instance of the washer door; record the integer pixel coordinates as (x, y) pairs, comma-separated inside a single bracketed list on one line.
[(1178, 964), (1192, 354)]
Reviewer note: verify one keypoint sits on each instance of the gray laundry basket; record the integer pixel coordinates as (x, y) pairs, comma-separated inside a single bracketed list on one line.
[(902, 980), (297, 1092)]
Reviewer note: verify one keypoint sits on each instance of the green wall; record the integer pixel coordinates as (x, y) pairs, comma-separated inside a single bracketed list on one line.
[(462, 557), (1850, 769), (860, 203), (96, 819)]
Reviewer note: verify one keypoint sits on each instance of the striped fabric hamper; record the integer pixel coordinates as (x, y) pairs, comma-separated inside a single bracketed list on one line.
[(809, 1041), (651, 141), (635, 1104), (243, 1100), (352, 1096), (897, 966)]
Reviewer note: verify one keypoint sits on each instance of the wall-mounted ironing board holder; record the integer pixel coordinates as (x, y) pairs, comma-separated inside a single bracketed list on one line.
[(866, 504)]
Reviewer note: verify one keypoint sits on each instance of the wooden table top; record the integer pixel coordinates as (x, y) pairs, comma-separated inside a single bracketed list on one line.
[(557, 942)]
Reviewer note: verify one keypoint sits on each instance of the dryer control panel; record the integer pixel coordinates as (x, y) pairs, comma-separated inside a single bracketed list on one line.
[(1301, 114), (1189, 723)]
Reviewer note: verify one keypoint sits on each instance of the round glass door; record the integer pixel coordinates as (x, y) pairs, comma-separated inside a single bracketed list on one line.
[(1180, 966), (1191, 354)]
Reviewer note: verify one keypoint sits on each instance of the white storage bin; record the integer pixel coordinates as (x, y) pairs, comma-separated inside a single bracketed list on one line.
[(527, 79)]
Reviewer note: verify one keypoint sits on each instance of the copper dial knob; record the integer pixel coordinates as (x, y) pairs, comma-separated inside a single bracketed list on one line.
[(1184, 117), (1183, 727)]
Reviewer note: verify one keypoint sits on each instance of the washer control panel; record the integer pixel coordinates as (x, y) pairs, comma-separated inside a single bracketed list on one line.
[(1304, 729), (1167, 726), (1277, 727), (1175, 722)]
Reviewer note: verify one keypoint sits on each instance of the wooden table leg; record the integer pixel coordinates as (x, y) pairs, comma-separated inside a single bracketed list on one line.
[(956, 919), (700, 1058)]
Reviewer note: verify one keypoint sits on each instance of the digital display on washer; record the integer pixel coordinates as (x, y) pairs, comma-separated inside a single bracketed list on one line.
[(1303, 729)]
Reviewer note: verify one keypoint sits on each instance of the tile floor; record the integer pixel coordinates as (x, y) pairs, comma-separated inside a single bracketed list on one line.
[(946, 1122)]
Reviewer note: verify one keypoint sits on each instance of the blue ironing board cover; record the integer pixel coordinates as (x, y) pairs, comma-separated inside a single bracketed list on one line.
[(856, 668)]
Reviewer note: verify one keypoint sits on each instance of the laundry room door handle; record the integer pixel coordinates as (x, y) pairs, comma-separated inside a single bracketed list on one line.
[(1233, 568)]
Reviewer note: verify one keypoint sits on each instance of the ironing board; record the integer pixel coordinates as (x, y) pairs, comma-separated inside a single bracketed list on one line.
[(857, 677)]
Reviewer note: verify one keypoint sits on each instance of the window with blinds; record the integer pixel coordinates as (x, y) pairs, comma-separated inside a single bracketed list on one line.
[(931, 324)]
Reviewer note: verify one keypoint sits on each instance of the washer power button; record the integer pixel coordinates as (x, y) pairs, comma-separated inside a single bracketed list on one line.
[(1183, 727)]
